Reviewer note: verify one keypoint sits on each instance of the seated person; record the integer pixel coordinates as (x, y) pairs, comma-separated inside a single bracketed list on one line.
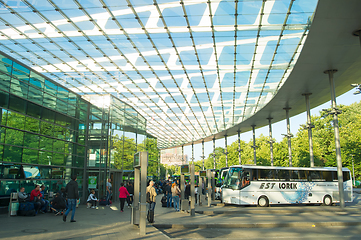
[(92, 200), (44, 203), (57, 205), (35, 197), (23, 196)]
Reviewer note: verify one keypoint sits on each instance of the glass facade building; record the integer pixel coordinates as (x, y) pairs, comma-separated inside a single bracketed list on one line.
[(49, 133)]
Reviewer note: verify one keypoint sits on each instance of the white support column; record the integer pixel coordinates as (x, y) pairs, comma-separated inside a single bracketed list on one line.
[(335, 111), (254, 144), (202, 155), (214, 152), (289, 136), (309, 127), (270, 139), (239, 147), (226, 152)]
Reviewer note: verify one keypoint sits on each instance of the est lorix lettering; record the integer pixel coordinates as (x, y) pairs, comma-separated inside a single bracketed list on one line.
[(280, 185)]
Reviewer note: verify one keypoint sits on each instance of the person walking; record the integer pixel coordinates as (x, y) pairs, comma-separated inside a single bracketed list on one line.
[(109, 191), (175, 195), (123, 194), (151, 203), (72, 194)]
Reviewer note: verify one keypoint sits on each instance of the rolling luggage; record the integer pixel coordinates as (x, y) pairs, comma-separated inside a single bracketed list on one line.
[(164, 201)]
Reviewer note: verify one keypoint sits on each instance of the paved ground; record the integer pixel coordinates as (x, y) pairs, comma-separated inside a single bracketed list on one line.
[(217, 222)]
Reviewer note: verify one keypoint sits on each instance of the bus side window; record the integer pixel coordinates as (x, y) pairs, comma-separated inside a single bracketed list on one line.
[(245, 179), (346, 176), (327, 175)]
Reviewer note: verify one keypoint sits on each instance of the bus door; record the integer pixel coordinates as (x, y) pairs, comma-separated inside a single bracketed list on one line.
[(244, 194), (230, 192)]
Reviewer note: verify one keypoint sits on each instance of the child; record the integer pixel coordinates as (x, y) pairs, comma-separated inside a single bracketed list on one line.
[(92, 200)]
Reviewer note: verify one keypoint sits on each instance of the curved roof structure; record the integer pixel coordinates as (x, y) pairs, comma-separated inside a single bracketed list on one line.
[(195, 69)]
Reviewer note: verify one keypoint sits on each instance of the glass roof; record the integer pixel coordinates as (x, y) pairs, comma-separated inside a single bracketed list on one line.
[(191, 68)]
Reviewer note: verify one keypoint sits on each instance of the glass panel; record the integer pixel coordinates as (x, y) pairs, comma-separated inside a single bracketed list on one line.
[(45, 157), (31, 140), (63, 94), (50, 88), (15, 120), (46, 143), (35, 95), (19, 88), (36, 80), (46, 129), (1, 152), (58, 159), (61, 119), (14, 137), (78, 162), (4, 81), (45, 173), (17, 104), (2, 135), (20, 72), (61, 106), (48, 115), (34, 110), (49, 101), (12, 154), (59, 132), (30, 156), (58, 146), (32, 124), (4, 99)]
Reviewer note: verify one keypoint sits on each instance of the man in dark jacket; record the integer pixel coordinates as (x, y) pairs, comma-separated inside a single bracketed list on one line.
[(168, 193), (72, 194)]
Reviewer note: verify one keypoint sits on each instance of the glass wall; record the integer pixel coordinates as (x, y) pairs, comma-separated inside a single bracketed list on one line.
[(42, 137), (48, 133)]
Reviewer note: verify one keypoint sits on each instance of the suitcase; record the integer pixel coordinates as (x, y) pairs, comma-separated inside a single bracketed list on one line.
[(164, 201)]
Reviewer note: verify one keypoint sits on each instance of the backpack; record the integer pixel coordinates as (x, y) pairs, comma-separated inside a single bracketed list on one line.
[(147, 198)]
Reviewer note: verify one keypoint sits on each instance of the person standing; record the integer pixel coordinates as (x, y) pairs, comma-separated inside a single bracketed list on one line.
[(130, 190), (109, 191), (72, 193), (175, 196), (123, 194), (152, 195), (168, 193)]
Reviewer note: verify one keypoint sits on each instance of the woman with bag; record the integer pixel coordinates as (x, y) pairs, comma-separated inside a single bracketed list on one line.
[(175, 195)]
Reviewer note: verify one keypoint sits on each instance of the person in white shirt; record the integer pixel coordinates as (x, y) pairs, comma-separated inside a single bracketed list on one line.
[(92, 200)]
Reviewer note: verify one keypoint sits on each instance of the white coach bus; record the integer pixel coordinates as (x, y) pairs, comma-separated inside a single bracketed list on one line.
[(263, 185)]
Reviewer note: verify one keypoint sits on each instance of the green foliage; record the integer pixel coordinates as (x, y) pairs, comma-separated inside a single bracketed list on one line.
[(323, 145), (124, 149)]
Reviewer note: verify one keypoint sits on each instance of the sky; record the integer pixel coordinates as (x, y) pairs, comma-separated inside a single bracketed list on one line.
[(278, 128)]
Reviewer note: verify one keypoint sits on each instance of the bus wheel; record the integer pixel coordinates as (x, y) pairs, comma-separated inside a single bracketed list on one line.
[(327, 200), (263, 201)]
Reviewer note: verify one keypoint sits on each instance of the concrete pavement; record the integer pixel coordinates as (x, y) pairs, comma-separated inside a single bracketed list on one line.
[(218, 222)]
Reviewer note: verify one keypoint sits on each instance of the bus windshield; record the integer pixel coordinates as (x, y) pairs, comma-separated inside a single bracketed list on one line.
[(233, 179)]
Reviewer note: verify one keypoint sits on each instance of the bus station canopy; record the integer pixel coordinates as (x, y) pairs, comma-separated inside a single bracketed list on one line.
[(195, 69)]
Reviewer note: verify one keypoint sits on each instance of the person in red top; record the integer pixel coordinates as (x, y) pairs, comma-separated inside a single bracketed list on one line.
[(35, 197), (123, 193)]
